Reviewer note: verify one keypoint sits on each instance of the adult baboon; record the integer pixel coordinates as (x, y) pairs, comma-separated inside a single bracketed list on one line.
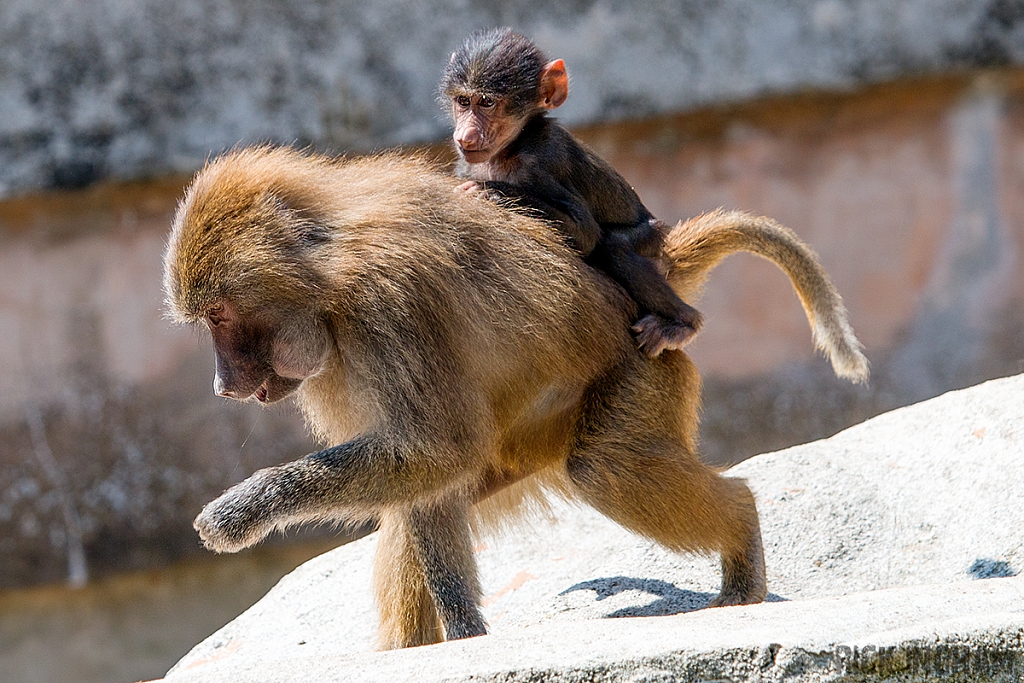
[(455, 351)]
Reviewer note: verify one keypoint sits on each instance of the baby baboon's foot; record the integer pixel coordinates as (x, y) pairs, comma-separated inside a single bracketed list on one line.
[(471, 188), (655, 334)]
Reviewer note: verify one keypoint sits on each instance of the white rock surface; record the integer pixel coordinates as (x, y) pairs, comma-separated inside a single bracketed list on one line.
[(919, 501)]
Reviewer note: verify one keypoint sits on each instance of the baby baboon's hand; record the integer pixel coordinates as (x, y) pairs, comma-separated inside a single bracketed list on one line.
[(470, 187), (654, 334), (240, 517)]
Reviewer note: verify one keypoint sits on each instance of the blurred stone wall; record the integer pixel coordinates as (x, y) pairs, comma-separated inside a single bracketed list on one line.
[(887, 134), (137, 88)]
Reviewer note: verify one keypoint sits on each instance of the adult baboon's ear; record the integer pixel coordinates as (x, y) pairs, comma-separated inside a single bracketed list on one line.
[(308, 225)]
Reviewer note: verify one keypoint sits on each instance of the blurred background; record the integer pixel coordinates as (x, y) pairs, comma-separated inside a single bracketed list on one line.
[(890, 135)]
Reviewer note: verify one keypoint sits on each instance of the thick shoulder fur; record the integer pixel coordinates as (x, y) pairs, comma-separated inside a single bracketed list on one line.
[(375, 212), (384, 248)]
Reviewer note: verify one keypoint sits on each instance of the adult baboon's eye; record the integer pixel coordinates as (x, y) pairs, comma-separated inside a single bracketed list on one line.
[(462, 101), (486, 102)]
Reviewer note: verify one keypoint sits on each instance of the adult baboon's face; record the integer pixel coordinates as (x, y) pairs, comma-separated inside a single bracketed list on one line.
[(257, 357)]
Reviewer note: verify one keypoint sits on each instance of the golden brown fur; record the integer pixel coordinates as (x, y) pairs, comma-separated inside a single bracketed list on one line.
[(693, 248), (452, 352)]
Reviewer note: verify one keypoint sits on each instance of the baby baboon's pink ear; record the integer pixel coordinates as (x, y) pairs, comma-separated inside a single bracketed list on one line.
[(554, 84)]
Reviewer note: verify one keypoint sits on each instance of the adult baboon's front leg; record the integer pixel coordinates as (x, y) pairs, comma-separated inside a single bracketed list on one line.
[(441, 537), (369, 472), (408, 615), (243, 515)]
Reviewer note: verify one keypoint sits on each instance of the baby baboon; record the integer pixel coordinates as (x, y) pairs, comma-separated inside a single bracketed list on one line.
[(498, 88), (451, 348)]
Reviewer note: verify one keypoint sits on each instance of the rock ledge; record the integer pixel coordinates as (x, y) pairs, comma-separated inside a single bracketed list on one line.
[(872, 538)]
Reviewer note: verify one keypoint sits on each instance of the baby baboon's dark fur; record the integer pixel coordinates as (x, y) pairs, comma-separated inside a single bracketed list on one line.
[(497, 88)]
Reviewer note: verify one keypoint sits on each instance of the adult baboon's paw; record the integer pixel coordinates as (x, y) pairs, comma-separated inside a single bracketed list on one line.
[(744, 587), (731, 598), (237, 519)]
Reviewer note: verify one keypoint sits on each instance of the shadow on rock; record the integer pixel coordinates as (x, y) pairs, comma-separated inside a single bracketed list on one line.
[(991, 569), (671, 599)]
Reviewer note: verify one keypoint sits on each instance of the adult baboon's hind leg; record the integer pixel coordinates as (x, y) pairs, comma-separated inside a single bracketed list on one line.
[(743, 571), (635, 463)]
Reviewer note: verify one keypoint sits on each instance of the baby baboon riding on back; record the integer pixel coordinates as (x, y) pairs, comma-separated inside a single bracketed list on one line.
[(498, 87)]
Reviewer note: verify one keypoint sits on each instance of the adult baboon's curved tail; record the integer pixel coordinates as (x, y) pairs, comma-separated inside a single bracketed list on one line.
[(693, 248)]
